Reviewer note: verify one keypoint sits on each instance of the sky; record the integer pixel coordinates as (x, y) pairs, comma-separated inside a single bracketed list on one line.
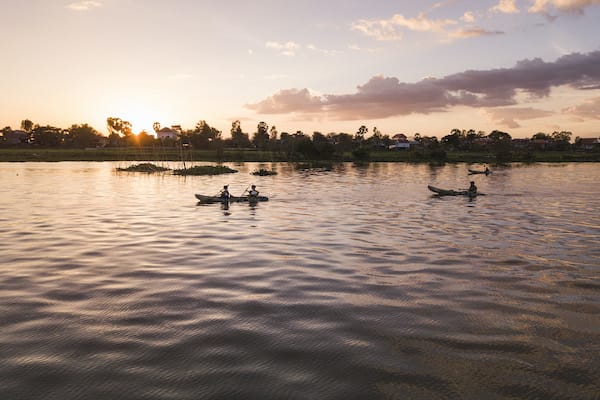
[(520, 66)]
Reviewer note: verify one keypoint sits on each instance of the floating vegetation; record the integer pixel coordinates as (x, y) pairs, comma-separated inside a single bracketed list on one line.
[(264, 172), (205, 170), (143, 167)]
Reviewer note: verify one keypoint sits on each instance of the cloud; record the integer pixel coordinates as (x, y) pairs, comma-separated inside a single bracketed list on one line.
[(590, 109), (84, 5), (392, 28), (355, 47), (506, 7), (323, 51), (565, 6), (474, 32), (509, 116), (441, 4), (287, 49), (383, 97), (288, 101), (468, 17)]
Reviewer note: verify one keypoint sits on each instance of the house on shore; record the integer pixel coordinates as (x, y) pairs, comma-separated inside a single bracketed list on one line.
[(401, 142), (167, 133), (588, 144)]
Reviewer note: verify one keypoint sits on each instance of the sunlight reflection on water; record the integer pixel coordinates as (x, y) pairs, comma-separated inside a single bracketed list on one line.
[(349, 283)]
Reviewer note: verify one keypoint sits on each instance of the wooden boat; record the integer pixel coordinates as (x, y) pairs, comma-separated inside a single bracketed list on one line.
[(449, 192), (474, 171), (232, 199)]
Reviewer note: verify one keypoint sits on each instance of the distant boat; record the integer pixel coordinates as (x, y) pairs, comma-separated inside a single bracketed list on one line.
[(232, 199), (449, 192), (474, 171)]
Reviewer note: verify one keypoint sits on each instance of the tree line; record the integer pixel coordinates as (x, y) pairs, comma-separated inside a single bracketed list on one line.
[(265, 138)]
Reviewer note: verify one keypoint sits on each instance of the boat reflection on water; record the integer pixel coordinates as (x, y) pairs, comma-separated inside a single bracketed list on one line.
[(355, 283)]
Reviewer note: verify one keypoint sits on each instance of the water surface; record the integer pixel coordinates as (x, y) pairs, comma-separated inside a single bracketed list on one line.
[(353, 283)]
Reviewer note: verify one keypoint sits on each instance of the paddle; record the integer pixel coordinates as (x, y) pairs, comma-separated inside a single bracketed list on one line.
[(244, 191), (219, 193)]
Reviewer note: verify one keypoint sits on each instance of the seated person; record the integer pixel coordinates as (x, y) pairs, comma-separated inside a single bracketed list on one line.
[(472, 189), (224, 194), (253, 192)]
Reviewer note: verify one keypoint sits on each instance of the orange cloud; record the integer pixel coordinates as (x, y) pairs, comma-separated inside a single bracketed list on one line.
[(590, 109), (509, 116)]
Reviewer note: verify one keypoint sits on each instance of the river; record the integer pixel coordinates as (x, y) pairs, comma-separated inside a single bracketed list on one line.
[(349, 283)]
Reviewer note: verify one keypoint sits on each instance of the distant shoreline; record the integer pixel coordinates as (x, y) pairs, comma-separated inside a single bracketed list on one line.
[(251, 155)]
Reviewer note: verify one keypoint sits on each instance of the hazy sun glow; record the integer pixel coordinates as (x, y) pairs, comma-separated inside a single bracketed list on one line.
[(140, 113), (126, 60)]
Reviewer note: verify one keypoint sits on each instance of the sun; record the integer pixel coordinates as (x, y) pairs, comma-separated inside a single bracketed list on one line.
[(140, 114)]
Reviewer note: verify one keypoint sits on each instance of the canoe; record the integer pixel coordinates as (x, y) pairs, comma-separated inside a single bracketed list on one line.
[(473, 171), (233, 199), (447, 192)]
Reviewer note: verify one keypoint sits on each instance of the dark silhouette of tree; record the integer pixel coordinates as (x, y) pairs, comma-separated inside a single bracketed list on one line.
[(561, 140), (501, 145), (343, 142), (47, 136), (119, 127), (471, 137), (360, 134), (204, 136), (239, 139), (261, 136), (497, 136), (82, 136), (454, 139), (273, 138), (323, 147), (156, 127), (27, 125), (541, 136), (376, 140), (303, 146)]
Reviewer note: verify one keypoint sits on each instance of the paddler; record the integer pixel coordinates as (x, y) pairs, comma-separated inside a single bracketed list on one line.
[(472, 189), (253, 192), (224, 194)]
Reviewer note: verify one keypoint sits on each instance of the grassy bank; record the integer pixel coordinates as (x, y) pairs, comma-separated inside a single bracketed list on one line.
[(228, 155)]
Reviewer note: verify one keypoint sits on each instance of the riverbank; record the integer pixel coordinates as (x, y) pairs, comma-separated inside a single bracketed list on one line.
[(250, 155)]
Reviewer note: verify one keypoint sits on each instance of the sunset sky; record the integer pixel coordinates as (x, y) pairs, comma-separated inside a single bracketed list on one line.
[(521, 66)]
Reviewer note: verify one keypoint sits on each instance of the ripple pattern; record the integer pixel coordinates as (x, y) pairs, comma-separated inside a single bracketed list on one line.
[(352, 283)]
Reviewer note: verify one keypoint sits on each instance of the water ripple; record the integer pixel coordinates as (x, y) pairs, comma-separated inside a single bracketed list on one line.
[(381, 291)]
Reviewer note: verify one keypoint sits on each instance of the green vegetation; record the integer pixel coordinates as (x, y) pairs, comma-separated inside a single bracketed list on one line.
[(263, 172), (205, 170), (253, 155), (143, 167), (34, 142)]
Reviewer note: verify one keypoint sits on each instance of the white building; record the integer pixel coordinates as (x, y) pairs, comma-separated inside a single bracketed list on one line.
[(167, 133)]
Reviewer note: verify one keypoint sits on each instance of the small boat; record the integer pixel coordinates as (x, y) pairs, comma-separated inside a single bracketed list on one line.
[(232, 199), (449, 192), (474, 171)]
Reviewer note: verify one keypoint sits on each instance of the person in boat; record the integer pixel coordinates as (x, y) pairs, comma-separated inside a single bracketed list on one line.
[(224, 194), (253, 192), (472, 189)]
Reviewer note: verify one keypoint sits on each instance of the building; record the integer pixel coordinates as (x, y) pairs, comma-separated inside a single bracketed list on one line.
[(167, 133), (400, 142), (588, 144)]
